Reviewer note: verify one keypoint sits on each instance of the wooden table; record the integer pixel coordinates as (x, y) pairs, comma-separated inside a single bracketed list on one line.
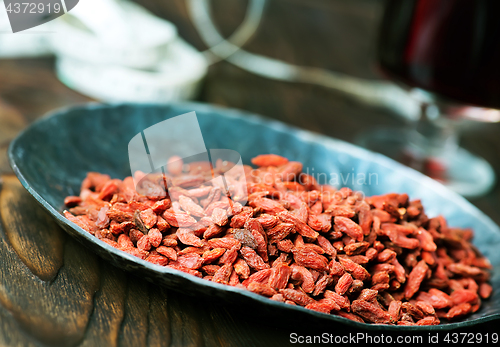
[(53, 291)]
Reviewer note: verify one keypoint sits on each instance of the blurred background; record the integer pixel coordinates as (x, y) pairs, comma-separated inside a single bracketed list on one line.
[(61, 64)]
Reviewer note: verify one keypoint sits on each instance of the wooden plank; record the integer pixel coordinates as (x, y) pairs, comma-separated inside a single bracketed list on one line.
[(11, 334), (11, 122), (134, 329), (109, 308), (27, 227), (185, 320), (160, 325), (55, 311)]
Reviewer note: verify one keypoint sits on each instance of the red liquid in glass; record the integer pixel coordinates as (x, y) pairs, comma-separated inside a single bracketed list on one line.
[(451, 47)]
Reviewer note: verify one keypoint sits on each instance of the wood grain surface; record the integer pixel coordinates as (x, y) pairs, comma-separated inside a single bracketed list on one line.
[(55, 292)]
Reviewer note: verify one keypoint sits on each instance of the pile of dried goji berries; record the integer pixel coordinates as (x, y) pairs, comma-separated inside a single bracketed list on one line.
[(378, 259)]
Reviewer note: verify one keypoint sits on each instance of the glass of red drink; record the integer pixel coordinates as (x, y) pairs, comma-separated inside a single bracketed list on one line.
[(447, 54)]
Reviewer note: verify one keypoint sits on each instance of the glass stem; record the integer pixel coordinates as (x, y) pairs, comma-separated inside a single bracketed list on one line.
[(434, 135)]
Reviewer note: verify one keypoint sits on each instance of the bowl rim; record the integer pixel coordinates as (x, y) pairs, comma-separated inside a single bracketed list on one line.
[(305, 135)]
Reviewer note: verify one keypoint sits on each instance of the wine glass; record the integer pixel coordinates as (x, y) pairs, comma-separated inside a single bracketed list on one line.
[(446, 54)]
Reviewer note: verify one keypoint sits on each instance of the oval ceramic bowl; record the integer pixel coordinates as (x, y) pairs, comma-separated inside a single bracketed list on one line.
[(53, 155)]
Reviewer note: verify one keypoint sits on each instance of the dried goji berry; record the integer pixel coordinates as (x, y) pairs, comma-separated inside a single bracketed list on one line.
[(280, 275), (349, 227), (415, 278), (253, 259), (269, 160), (309, 258), (296, 296)]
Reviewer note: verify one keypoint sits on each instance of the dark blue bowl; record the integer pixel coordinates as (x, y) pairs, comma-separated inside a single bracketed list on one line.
[(53, 155)]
